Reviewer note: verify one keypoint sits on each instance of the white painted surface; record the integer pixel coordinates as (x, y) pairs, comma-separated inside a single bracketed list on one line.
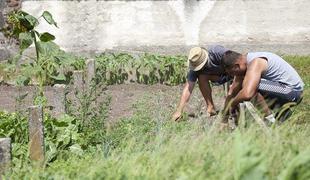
[(98, 25)]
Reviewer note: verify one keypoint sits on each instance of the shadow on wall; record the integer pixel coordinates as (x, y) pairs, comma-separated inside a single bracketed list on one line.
[(191, 14)]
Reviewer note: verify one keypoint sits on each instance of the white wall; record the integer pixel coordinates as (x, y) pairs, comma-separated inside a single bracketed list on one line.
[(98, 25)]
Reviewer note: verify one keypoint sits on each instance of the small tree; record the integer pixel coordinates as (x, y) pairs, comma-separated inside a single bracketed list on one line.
[(23, 28)]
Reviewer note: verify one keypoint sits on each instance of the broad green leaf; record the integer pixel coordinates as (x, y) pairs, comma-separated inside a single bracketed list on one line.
[(25, 40), (45, 37), (49, 18), (47, 47), (59, 77), (32, 21), (76, 149)]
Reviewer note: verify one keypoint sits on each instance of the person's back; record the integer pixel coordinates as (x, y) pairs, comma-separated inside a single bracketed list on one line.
[(278, 70), (267, 78)]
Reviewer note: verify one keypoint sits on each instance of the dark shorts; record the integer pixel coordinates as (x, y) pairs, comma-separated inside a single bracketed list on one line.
[(223, 79), (278, 92)]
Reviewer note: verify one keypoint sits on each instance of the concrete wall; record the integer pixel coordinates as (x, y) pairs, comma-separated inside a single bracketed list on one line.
[(173, 26), (14, 98), (7, 46)]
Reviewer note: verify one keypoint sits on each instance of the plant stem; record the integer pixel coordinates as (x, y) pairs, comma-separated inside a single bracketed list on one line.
[(36, 45), (37, 62)]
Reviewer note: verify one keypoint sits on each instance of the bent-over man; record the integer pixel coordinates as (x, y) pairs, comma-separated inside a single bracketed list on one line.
[(204, 65), (263, 76)]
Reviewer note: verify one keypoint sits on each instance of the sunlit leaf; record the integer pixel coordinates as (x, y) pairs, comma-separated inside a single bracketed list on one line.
[(25, 40), (49, 18), (45, 37)]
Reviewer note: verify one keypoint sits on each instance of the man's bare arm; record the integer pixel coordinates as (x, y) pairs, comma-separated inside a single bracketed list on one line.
[(235, 87), (187, 91), (251, 81)]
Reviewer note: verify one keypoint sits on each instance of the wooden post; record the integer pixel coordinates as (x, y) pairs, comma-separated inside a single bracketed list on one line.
[(78, 81), (5, 155), (241, 118), (255, 115), (36, 133), (59, 93), (90, 72)]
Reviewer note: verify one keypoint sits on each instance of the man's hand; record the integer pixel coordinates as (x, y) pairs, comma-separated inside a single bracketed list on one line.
[(176, 116), (187, 91)]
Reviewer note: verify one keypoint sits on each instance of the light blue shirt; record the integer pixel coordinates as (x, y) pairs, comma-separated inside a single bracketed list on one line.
[(278, 70)]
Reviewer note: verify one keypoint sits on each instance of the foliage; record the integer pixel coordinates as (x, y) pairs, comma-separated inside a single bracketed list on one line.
[(92, 112), (52, 65), (63, 136), (147, 147), (146, 68), (55, 67)]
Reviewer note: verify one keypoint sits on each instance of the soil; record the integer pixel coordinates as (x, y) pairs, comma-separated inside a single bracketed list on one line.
[(159, 98)]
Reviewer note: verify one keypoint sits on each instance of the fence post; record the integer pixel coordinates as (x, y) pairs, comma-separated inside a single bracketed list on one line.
[(36, 133), (78, 81), (90, 72), (250, 107), (59, 93), (5, 155), (241, 118)]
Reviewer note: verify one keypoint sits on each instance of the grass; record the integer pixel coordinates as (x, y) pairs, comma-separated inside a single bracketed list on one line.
[(148, 146)]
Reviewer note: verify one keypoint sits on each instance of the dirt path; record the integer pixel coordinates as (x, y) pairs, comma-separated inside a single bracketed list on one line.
[(167, 97)]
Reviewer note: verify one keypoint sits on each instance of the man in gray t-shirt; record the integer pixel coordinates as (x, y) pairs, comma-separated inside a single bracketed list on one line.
[(205, 65), (262, 75)]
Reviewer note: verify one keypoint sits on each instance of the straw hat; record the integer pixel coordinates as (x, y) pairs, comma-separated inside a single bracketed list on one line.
[(197, 58)]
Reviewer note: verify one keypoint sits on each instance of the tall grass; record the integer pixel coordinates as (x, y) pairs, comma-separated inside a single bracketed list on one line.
[(148, 146), (142, 147)]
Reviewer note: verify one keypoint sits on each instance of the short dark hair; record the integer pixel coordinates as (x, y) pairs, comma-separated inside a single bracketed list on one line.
[(230, 58)]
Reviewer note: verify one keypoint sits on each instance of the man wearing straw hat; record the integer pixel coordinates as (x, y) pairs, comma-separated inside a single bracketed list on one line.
[(204, 65)]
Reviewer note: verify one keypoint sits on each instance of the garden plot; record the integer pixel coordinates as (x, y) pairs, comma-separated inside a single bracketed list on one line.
[(160, 98)]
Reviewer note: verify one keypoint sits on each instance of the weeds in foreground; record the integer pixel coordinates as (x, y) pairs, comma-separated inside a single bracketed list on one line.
[(147, 146)]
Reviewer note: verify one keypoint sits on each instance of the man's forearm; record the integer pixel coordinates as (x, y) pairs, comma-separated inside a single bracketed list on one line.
[(206, 92), (233, 91), (241, 96), (188, 88), (183, 101)]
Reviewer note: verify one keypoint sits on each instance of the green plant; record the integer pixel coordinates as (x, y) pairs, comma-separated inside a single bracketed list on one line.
[(145, 68), (24, 27), (90, 106)]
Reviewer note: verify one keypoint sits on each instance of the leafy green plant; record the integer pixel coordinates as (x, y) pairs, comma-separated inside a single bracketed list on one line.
[(91, 109), (63, 136), (146, 68), (24, 27), (51, 65)]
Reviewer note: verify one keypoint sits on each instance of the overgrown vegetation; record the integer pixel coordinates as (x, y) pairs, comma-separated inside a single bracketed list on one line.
[(146, 145), (50, 65)]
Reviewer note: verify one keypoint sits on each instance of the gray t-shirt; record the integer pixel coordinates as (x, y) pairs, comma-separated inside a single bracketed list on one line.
[(213, 66), (278, 70)]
